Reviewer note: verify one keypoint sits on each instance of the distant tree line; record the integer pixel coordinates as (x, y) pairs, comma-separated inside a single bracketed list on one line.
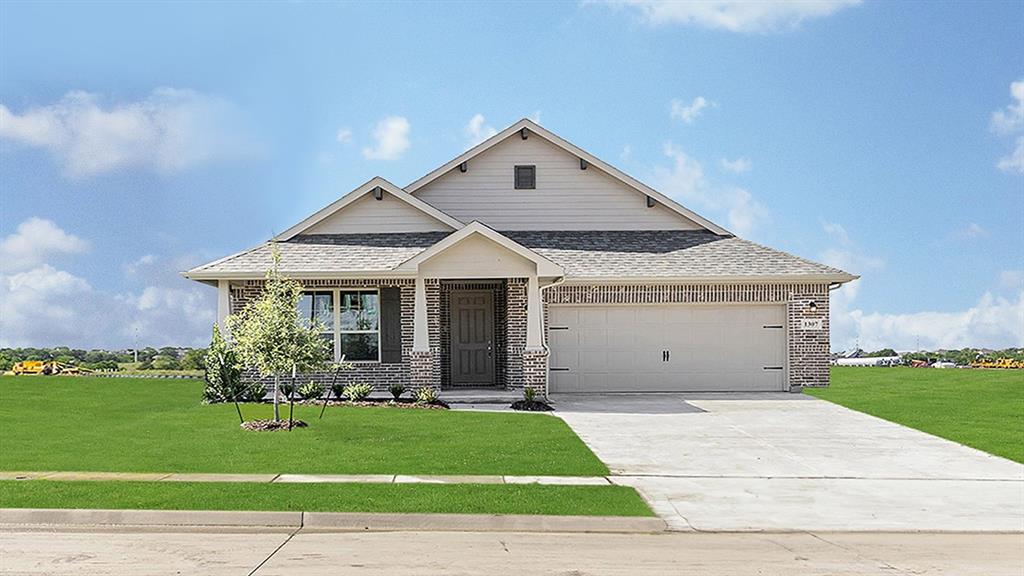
[(166, 358), (962, 357)]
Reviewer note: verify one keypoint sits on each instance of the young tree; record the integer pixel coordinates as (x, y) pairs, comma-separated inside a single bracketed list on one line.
[(269, 336)]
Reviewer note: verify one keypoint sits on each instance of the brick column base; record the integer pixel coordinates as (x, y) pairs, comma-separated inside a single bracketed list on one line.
[(421, 370), (535, 371)]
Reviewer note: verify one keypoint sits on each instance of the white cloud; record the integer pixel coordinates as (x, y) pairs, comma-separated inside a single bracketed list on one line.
[(973, 230), (737, 166), (392, 139), (1011, 119), (344, 136), (734, 15), (168, 131), (477, 130), (35, 241), (685, 182), (994, 322), (41, 305), (535, 117), (1014, 161), (688, 113), (627, 153), (134, 267)]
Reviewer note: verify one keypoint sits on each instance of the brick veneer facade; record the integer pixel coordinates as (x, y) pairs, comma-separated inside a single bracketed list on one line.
[(516, 367)]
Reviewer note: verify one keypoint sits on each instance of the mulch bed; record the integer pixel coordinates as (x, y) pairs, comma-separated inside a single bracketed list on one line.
[(381, 403), (532, 406), (271, 425)]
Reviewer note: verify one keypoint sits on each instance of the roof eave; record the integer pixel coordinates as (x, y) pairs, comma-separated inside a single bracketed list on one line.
[(840, 278)]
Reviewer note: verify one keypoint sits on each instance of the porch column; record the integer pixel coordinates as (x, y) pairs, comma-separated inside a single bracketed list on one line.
[(420, 334), (223, 305), (534, 315)]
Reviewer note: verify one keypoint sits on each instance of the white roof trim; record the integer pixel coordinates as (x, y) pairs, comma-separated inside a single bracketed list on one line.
[(545, 267), (358, 193), (576, 151), (722, 279)]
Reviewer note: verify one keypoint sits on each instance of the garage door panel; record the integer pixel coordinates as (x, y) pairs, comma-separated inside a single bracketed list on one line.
[(711, 348)]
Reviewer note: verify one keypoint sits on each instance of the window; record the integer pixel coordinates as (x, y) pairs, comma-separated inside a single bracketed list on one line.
[(319, 307), (526, 177), (360, 325)]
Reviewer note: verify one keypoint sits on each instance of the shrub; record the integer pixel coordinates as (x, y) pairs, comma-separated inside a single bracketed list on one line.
[(426, 395), (254, 392), (338, 390), (357, 392), (223, 375), (311, 390), (287, 389), (397, 389), (529, 394)]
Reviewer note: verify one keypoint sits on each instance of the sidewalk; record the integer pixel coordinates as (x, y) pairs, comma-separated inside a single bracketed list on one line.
[(309, 478)]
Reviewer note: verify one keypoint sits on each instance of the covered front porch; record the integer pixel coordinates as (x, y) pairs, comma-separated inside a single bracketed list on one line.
[(478, 313)]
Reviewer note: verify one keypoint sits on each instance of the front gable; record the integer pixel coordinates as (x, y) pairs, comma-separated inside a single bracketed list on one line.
[(376, 206), (573, 191)]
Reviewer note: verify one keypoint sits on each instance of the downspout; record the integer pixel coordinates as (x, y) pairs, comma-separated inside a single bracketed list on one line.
[(544, 340)]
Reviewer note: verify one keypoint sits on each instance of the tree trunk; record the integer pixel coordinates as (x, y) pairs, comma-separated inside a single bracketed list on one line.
[(277, 411)]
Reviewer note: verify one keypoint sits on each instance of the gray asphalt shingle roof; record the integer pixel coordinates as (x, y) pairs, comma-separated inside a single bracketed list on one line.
[(588, 254)]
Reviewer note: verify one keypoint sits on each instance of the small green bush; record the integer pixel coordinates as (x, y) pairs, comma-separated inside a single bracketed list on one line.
[(337, 390), (426, 395), (357, 392), (397, 389), (287, 389), (254, 392), (529, 394), (311, 390)]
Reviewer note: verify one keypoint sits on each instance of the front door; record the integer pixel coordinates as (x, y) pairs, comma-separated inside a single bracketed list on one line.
[(472, 345)]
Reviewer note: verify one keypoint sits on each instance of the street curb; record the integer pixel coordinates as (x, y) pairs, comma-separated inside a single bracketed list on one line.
[(333, 521)]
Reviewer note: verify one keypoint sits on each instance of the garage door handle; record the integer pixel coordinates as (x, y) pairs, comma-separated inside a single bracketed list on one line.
[(665, 355), (773, 367)]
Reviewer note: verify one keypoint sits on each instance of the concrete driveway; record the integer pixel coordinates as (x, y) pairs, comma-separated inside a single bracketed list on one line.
[(780, 461)]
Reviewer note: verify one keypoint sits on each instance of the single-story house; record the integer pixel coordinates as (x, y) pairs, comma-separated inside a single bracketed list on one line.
[(528, 262)]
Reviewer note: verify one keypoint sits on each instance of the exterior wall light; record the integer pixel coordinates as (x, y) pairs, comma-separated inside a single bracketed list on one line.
[(812, 306)]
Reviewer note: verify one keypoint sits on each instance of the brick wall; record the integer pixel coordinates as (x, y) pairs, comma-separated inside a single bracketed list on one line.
[(808, 350), (379, 374)]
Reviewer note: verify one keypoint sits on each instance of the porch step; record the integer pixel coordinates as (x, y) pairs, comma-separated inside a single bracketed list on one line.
[(480, 396)]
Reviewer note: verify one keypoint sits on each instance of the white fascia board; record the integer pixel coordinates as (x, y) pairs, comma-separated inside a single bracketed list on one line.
[(303, 275), (358, 193), (740, 279), (545, 267), (576, 151)]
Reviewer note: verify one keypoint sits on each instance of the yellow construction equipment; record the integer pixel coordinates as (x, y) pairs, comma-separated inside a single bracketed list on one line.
[(46, 368), (1004, 363)]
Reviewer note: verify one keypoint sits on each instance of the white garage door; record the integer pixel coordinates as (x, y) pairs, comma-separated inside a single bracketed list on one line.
[(667, 348)]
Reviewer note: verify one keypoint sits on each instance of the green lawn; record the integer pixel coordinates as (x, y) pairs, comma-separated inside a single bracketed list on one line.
[(983, 409), (142, 425), (408, 498)]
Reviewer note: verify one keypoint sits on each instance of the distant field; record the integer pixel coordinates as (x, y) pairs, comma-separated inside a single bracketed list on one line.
[(983, 409)]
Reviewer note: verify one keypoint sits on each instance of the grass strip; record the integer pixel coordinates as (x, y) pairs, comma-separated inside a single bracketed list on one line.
[(399, 498)]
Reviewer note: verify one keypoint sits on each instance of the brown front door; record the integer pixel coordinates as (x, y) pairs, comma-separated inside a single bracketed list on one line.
[(472, 345)]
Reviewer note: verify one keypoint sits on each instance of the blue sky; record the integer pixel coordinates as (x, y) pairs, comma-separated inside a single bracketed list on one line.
[(138, 140)]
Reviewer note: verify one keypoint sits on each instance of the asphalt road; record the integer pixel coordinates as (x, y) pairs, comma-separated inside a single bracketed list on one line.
[(89, 551)]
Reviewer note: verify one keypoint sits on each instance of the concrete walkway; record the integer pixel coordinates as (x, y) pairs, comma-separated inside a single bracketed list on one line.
[(780, 461), (308, 478), (216, 552)]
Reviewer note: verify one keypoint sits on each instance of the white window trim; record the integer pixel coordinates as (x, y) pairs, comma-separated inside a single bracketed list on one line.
[(337, 325)]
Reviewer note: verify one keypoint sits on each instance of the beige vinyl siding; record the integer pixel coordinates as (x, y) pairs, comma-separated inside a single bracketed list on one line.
[(566, 198), (367, 214), (477, 257)]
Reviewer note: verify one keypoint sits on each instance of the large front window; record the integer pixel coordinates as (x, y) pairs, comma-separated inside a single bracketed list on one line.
[(359, 327), (319, 307), (350, 319)]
